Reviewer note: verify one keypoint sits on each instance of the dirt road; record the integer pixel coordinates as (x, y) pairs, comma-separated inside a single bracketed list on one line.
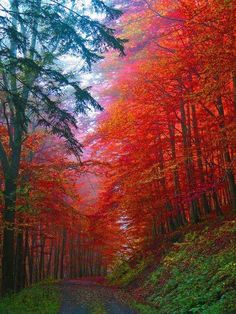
[(89, 297)]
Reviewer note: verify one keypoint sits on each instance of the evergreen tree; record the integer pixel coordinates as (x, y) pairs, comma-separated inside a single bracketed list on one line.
[(35, 37)]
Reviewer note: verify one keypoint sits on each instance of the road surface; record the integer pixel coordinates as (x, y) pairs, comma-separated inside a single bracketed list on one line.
[(88, 297)]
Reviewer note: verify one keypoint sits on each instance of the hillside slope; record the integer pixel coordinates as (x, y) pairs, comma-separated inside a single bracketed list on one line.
[(196, 275)]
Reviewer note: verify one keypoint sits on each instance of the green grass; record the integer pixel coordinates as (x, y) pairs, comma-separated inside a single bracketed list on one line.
[(123, 274), (143, 308), (197, 275), (42, 298)]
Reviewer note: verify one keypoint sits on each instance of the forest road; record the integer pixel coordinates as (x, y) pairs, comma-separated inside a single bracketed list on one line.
[(88, 297)]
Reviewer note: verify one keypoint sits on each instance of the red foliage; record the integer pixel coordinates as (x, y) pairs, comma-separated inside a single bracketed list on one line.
[(168, 132)]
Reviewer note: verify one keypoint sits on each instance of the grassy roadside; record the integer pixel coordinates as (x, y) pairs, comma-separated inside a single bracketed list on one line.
[(196, 275), (41, 298)]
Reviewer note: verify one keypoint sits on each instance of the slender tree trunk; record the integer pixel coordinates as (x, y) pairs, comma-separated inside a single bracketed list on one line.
[(56, 259), (226, 154), (217, 204), (48, 272), (180, 218), (36, 263), (31, 259), (63, 253), (169, 209), (197, 138), (194, 208), (8, 237), (19, 269), (26, 254), (41, 259), (234, 91)]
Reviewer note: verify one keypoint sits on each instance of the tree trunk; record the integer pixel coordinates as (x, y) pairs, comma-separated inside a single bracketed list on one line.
[(41, 260), (217, 204), (8, 237), (194, 208), (204, 200), (62, 253), (49, 261), (180, 218), (31, 259), (26, 254), (226, 154), (234, 91), (19, 269)]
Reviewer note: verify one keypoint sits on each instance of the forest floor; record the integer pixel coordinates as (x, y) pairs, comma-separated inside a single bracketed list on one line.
[(87, 296), (192, 270)]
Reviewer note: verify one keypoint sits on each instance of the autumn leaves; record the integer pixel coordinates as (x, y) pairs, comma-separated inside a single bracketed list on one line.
[(169, 131)]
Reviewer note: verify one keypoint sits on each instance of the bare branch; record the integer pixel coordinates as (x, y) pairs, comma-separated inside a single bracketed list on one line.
[(161, 15)]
